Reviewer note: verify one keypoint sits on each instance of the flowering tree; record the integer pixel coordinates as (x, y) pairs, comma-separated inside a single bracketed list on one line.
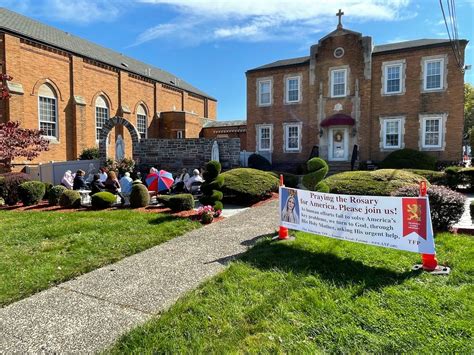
[(19, 142)]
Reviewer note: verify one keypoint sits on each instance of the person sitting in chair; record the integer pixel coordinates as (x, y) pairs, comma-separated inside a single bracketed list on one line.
[(112, 185), (195, 178), (96, 184), (79, 182), (180, 181)]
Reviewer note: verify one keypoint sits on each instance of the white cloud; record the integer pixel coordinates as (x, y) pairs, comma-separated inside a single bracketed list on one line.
[(258, 20)]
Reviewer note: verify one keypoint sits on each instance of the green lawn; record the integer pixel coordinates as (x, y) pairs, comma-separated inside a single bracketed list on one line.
[(318, 295), (40, 249)]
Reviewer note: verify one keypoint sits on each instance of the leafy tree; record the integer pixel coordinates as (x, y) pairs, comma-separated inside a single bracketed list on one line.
[(20, 142), (468, 107)]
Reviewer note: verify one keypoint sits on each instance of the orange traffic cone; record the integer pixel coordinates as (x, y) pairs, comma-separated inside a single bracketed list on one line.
[(283, 232)]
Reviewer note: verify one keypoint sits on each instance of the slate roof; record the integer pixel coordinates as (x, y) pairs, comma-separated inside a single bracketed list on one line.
[(215, 124), (15, 23), (377, 49)]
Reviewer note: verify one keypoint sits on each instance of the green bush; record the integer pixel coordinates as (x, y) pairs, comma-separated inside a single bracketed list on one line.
[(453, 178), (317, 171), (104, 199), (446, 205), (47, 189), (55, 194), (246, 186), (213, 182), (434, 177), (31, 192), (289, 180), (467, 177), (256, 161), (177, 203), (70, 199), (376, 183), (408, 159), (90, 154), (139, 196), (9, 183)]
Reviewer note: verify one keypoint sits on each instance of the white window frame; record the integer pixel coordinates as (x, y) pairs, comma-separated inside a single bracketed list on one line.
[(143, 134), (333, 71), (441, 118), (287, 89), (384, 121), (385, 67), (286, 138), (442, 82), (56, 123), (259, 136), (259, 94), (97, 134)]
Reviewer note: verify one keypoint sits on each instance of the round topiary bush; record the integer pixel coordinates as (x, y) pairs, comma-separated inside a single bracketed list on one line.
[(246, 186), (317, 171), (31, 192), (139, 196), (9, 183), (256, 161), (434, 177), (70, 199), (408, 159), (55, 194), (177, 203), (376, 183), (446, 205), (103, 200), (211, 186)]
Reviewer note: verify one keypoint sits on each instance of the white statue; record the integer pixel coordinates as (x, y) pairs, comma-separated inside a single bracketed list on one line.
[(215, 151), (119, 148)]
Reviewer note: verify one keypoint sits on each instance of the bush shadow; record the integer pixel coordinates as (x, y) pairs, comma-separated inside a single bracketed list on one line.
[(163, 219)]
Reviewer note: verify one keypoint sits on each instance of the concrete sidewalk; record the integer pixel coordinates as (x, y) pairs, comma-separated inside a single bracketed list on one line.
[(89, 313)]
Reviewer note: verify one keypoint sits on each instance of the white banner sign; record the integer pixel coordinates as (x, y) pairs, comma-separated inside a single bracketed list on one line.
[(393, 222)]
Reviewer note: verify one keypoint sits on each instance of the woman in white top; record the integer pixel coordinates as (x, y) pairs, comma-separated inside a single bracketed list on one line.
[(196, 177), (68, 180)]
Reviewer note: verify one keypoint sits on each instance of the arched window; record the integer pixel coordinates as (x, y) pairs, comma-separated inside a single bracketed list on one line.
[(48, 113), (142, 121), (101, 114)]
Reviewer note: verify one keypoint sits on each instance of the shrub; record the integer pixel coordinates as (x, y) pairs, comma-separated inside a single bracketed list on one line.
[(139, 196), (31, 192), (256, 161), (70, 199), (434, 177), (2, 201), (90, 154), (467, 176), (55, 194), (177, 203), (211, 186), (9, 187), (103, 200), (290, 180), (47, 189), (453, 179), (317, 171), (246, 186), (408, 159), (376, 183), (446, 205)]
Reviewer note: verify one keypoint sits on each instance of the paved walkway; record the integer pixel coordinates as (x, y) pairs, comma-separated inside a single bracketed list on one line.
[(89, 313), (465, 223)]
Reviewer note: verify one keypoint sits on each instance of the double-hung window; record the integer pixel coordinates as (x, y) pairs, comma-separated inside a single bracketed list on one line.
[(47, 112), (338, 82), (292, 137), (264, 138), (293, 89), (141, 121), (392, 133), (264, 92), (432, 132), (393, 79), (101, 115), (433, 74)]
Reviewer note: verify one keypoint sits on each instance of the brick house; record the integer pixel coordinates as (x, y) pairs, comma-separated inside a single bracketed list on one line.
[(349, 93), (69, 87), (226, 129)]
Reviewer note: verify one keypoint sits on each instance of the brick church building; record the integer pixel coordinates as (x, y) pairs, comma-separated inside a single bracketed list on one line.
[(350, 94), (69, 87)]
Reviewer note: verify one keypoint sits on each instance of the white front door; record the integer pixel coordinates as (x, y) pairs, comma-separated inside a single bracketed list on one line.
[(338, 144)]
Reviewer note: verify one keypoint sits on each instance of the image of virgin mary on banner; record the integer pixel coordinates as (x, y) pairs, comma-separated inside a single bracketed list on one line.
[(290, 211)]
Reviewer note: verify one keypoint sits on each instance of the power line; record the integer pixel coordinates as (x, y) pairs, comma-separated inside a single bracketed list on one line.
[(454, 41)]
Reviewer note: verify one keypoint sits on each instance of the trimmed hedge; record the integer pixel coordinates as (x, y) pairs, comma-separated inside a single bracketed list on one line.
[(246, 186), (55, 194), (408, 159), (104, 199), (434, 177), (139, 196), (446, 205), (70, 199), (211, 186), (290, 180), (9, 183), (259, 162), (47, 189), (177, 203), (376, 183), (31, 192), (317, 171)]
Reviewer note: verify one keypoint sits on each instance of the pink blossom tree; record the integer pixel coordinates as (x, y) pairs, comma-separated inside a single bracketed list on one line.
[(20, 142)]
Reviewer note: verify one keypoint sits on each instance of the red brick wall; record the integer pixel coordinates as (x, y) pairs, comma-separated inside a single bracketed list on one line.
[(227, 132)]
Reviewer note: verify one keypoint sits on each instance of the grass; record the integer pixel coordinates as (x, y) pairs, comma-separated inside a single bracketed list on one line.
[(317, 295), (41, 249)]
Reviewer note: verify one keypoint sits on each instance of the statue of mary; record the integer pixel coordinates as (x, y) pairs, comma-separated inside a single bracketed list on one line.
[(119, 148)]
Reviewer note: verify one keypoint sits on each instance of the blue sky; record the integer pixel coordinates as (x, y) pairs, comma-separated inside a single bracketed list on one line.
[(211, 43)]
